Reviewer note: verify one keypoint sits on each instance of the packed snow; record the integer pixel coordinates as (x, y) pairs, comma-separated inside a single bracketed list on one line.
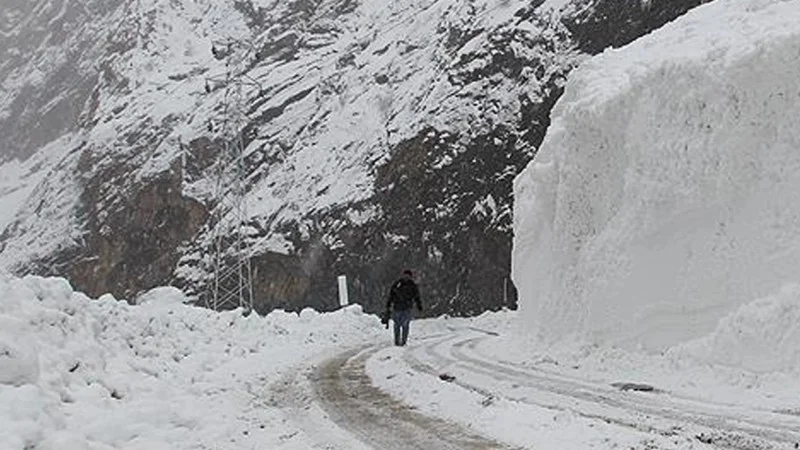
[(663, 205), (80, 374), (494, 404), (762, 335)]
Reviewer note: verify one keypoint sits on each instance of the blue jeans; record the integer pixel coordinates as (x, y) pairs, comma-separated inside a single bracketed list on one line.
[(401, 321)]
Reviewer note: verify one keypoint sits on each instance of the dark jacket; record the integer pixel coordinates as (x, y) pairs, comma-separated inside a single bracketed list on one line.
[(403, 295)]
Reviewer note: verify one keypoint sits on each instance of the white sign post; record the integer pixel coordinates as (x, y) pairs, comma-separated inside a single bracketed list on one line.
[(343, 301)]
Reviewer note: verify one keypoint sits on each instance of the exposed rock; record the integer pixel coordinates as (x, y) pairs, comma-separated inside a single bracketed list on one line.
[(371, 146), (134, 243)]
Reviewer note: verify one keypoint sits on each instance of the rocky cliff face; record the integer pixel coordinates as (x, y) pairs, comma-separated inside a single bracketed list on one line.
[(377, 137)]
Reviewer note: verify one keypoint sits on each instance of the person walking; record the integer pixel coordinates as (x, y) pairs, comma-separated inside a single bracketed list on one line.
[(402, 297)]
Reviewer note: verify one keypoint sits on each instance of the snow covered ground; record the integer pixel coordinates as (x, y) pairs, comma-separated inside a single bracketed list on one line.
[(79, 374), (479, 373)]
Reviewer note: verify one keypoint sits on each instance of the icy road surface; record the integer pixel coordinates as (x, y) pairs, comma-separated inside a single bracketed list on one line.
[(442, 392), (338, 407)]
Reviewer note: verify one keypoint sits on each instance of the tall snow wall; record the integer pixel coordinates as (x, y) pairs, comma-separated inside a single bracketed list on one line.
[(666, 194)]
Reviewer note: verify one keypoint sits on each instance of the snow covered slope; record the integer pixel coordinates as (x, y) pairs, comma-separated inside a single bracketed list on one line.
[(378, 136), (666, 194)]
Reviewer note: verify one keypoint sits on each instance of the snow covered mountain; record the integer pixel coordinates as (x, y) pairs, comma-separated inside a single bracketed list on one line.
[(660, 212), (663, 205), (378, 136)]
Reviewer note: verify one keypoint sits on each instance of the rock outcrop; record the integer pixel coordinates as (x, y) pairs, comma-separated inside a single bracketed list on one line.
[(378, 137)]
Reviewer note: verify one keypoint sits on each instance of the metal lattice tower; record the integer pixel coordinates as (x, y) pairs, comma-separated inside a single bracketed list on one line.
[(231, 284)]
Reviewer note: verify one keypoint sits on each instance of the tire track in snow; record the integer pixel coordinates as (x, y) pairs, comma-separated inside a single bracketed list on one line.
[(721, 425), (376, 418), (336, 406)]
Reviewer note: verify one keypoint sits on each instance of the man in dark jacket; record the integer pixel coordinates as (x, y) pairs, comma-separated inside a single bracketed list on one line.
[(402, 297)]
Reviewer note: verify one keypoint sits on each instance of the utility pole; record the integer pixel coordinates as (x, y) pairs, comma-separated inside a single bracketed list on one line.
[(228, 266)]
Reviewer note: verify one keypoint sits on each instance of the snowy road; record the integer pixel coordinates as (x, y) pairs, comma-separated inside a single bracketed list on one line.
[(337, 405), (661, 413), (348, 395)]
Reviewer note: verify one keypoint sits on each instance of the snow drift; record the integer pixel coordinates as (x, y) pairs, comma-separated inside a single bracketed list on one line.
[(667, 192), (87, 374), (762, 336)]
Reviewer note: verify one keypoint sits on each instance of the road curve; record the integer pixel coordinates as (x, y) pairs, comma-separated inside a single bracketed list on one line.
[(346, 393), (335, 406), (721, 425)]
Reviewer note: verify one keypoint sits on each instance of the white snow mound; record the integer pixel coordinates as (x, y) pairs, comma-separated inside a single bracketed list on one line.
[(666, 194), (762, 335), (77, 373), (19, 362), (165, 295)]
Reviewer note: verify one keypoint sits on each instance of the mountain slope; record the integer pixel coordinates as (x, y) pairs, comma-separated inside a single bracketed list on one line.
[(377, 137)]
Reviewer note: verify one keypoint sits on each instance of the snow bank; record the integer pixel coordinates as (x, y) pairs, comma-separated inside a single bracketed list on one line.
[(19, 362), (667, 192), (763, 335), (77, 373), (164, 295)]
